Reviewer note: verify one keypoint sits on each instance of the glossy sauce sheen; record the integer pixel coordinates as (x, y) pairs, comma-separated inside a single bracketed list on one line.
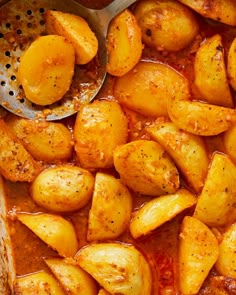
[(161, 247)]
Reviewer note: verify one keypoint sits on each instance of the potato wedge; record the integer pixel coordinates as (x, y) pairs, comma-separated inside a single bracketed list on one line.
[(37, 283), (124, 36), (45, 141), (73, 278), (118, 268), (231, 64), (216, 203), (16, 164), (46, 69), (99, 128), (54, 230), (103, 292), (76, 30), (187, 150), (166, 25), (210, 73), (229, 142), (226, 263), (158, 211), (111, 208), (145, 167), (198, 251), (219, 10), (63, 188)]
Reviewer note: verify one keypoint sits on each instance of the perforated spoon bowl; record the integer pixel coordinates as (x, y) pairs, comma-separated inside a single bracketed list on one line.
[(21, 21)]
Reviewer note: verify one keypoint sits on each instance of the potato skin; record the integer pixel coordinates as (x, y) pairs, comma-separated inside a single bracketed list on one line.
[(230, 143), (145, 167), (45, 141), (124, 36), (231, 64), (63, 188), (166, 25), (46, 69), (99, 128)]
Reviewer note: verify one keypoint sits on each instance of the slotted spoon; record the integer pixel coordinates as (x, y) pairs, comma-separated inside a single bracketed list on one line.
[(21, 21)]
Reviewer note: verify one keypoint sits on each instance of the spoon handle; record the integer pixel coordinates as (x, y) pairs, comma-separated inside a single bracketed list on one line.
[(116, 7)]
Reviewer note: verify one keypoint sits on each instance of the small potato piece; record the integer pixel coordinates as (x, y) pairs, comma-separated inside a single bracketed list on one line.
[(216, 203), (111, 208), (230, 143), (45, 141), (231, 64), (145, 167), (63, 188), (219, 10), (186, 149), (118, 268), (73, 278), (166, 25), (124, 37), (147, 88), (99, 128), (16, 164), (46, 69), (198, 251), (210, 73), (158, 211), (37, 283), (226, 263), (103, 292), (76, 30), (54, 230)]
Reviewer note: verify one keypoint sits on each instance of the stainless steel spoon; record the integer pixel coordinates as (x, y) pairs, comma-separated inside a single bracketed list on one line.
[(21, 21)]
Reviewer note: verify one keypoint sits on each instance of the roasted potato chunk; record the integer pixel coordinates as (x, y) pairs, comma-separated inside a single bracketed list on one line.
[(54, 230), (73, 278), (111, 208), (46, 69), (210, 73), (145, 167), (118, 268), (63, 188), (99, 128), (37, 283), (76, 30), (216, 203), (16, 164), (187, 150), (45, 141), (198, 252), (231, 64), (124, 36), (230, 143), (166, 25)]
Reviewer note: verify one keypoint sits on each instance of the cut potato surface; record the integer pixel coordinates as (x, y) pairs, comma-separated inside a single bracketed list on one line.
[(46, 69), (76, 30), (231, 65)]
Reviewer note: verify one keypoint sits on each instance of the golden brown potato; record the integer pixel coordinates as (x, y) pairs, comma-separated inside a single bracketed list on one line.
[(76, 30), (219, 10), (166, 25), (230, 143), (141, 90), (198, 252), (16, 164), (63, 188), (216, 203), (158, 211), (118, 268), (46, 141), (54, 230), (99, 128), (46, 69), (37, 283), (111, 208), (124, 37), (231, 65), (226, 263), (210, 73), (187, 150), (103, 292), (73, 278), (145, 167)]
